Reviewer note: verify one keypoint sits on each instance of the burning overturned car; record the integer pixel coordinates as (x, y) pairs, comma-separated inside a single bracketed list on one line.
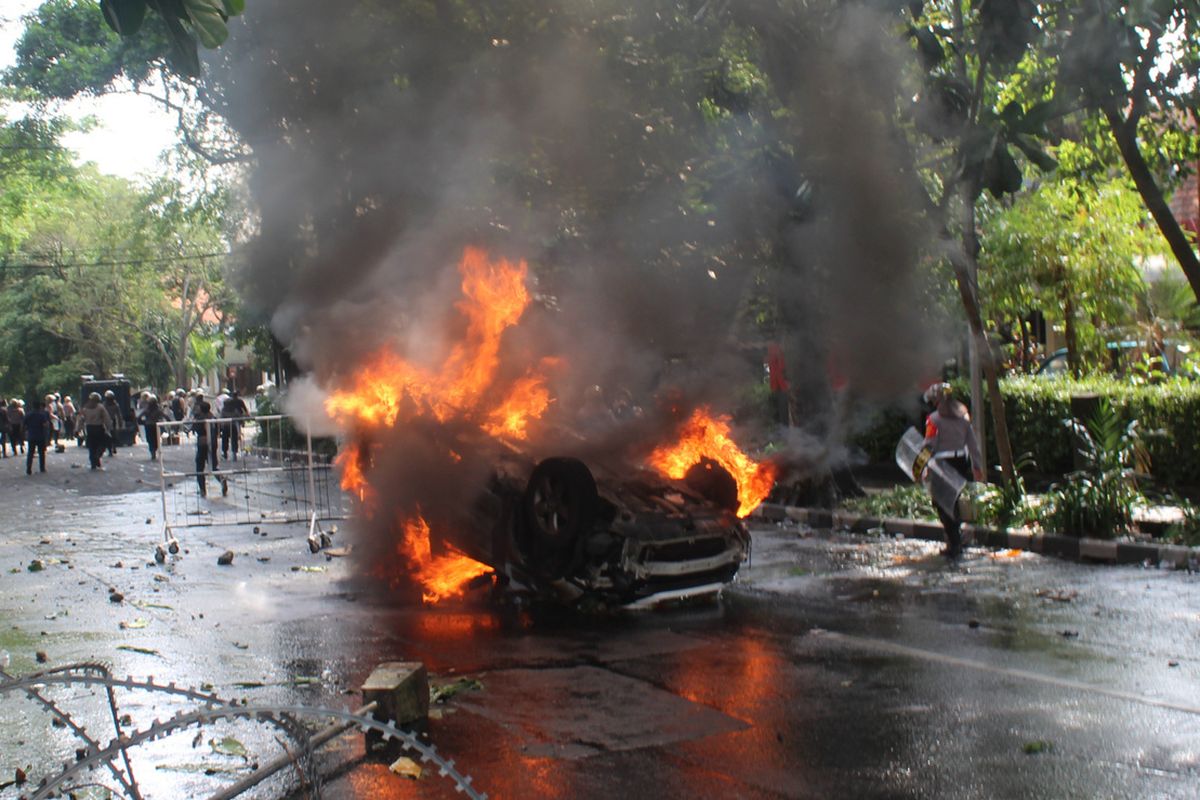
[(626, 537), (442, 463)]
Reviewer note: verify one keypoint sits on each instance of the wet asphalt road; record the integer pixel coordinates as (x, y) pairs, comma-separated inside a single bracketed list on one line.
[(837, 665)]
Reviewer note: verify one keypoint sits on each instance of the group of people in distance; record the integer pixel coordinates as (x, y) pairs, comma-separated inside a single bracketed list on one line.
[(96, 423)]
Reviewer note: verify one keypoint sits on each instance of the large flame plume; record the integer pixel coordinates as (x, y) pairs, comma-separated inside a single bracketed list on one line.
[(707, 436), (390, 390)]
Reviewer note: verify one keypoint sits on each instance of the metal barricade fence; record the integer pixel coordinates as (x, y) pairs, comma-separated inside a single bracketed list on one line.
[(269, 474)]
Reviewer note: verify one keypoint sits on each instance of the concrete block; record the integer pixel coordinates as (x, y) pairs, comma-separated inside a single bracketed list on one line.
[(820, 518), (796, 514), (1056, 545), (1174, 554), (863, 524), (401, 690), (771, 512), (1136, 553), (932, 531), (1018, 540), (1098, 549)]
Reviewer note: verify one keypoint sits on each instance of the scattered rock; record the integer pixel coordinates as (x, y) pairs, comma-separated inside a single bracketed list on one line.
[(20, 777), (148, 520), (225, 559), (1069, 634), (119, 565), (407, 767), (256, 529), (972, 623), (1172, 663), (41, 656), (37, 565), (115, 597), (1058, 595), (1035, 747)]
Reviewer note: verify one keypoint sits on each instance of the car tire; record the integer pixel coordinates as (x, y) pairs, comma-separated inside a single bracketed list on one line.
[(560, 504), (714, 483)]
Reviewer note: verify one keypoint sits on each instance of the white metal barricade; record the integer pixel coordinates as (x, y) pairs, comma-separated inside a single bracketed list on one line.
[(269, 473)]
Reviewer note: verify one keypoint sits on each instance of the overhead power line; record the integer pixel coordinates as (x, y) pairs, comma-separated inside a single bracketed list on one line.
[(114, 263)]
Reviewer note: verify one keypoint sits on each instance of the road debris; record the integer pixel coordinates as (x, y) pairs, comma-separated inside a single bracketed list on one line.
[(407, 767), (440, 693), (1058, 595), (225, 559)]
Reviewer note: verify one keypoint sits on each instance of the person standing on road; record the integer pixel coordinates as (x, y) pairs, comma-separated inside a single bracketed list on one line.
[(96, 423), (151, 415), (68, 418), (233, 410), (16, 425), (204, 426), (37, 434), (118, 420), (948, 434), (5, 431)]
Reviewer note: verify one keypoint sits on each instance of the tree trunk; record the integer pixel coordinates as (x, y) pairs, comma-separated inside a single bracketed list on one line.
[(1152, 196), (965, 269)]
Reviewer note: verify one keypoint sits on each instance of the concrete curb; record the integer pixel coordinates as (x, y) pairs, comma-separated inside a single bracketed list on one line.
[(1097, 551)]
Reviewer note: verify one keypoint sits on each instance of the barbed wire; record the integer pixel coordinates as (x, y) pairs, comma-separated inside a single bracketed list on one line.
[(286, 718)]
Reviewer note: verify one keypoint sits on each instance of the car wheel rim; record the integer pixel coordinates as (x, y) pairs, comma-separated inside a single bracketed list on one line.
[(551, 507)]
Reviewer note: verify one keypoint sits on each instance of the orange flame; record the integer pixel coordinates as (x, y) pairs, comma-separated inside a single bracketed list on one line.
[(529, 398), (706, 436), (390, 390), (440, 576)]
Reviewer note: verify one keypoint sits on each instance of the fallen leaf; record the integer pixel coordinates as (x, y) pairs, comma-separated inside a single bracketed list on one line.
[(1035, 747), (407, 767), (140, 622), (228, 746), (440, 693), (1058, 595), (312, 569), (146, 651), (144, 604)]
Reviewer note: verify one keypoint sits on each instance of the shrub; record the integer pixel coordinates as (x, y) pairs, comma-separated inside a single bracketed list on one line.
[(1098, 500), (1169, 414), (907, 501)]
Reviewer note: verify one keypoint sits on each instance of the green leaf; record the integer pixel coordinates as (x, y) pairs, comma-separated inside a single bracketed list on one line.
[(234, 7), (124, 16), (185, 58), (208, 21)]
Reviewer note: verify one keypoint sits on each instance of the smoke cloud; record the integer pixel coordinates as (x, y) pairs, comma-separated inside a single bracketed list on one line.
[(666, 247)]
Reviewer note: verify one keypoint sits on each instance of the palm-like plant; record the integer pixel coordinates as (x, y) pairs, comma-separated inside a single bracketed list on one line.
[(1098, 500)]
